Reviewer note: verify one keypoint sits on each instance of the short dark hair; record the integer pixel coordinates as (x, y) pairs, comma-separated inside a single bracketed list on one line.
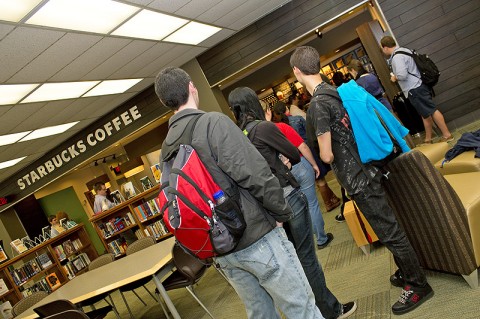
[(98, 186), (388, 41), (357, 66), (171, 86), (306, 59), (245, 106), (51, 217)]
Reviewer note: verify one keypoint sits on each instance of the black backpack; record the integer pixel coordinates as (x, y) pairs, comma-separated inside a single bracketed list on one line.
[(428, 70)]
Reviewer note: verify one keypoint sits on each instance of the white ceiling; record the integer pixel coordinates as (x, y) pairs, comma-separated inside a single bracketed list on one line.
[(31, 54)]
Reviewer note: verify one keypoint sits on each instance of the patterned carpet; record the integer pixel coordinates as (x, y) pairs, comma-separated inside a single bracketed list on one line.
[(351, 275)]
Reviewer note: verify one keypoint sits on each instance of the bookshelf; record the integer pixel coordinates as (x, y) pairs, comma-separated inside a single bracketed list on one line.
[(130, 220), (43, 267)]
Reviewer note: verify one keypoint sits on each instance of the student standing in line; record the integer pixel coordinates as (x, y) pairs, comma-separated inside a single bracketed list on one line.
[(363, 182), (274, 146), (406, 73), (263, 269), (102, 203)]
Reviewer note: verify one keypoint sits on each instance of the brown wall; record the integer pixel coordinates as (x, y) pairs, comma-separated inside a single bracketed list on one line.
[(449, 32)]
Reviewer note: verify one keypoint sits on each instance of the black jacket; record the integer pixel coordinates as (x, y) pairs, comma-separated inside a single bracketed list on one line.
[(237, 167)]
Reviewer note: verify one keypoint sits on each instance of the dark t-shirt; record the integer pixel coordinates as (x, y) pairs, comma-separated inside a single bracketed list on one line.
[(327, 114)]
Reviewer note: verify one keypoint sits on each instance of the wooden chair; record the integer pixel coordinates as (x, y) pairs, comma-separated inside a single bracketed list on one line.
[(28, 302), (138, 245), (97, 263), (188, 272), (62, 305)]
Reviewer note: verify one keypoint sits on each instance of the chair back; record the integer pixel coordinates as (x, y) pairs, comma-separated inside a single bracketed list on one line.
[(28, 302), (140, 244), (101, 261), (190, 266), (54, 307), (431, 213), (69, 314)]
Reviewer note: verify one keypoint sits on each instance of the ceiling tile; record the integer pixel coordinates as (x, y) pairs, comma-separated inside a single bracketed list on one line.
[(21, 46), (10, 120), (90, 59), (138, 2), (168, 6), (5, 29), (55, 58), (3, 109), (187, 56), (216, 38), (195, 8), (219, 10), (43, 115), (119, 59), (70, 113), (254, 11), (143, 59)]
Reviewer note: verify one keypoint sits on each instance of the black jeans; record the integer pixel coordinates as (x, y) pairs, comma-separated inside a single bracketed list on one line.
[(372, 202)]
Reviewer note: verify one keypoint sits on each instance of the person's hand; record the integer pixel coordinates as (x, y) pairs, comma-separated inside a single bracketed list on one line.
[(317, 171), (279, 224), (285, 161), (393, 78)]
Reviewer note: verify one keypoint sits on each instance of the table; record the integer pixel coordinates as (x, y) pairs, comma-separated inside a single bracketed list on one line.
[(155, 261)]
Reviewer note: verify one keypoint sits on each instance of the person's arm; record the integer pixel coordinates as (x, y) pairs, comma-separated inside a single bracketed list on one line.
[(273, 137), (305, 150), (237, 157), (399, 67), (325, 144)]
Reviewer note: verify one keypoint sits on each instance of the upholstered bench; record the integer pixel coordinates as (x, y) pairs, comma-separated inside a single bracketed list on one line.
[(361, 230), (463, 163), (434, 152)]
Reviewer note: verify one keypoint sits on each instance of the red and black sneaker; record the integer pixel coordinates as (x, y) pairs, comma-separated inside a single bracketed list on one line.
[(397, 279), (411, 298)]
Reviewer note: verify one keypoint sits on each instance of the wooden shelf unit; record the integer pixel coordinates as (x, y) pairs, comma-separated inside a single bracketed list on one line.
[(139, 225), (15, 290)]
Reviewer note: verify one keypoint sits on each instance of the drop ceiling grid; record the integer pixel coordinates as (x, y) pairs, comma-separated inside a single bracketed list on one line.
[(22, 46), (217, 37), (193, 9), (184, 58), (107, 107), (230, 17), (130, 69), (55, 58), (154, 67), (90, 59), (168, 6), (257, 12), (5, 29), (69, 113), (217, 11), (119, 59), (10, 119)]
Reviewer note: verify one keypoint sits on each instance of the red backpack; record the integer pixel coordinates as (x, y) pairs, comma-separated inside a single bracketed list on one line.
[(200, 225)]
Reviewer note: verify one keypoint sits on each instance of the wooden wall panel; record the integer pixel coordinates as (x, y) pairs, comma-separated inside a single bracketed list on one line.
[(265, 36), (449, 31)]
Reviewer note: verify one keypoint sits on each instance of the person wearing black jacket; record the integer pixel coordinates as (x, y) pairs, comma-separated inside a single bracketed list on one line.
[(264, 255), (274, 147)]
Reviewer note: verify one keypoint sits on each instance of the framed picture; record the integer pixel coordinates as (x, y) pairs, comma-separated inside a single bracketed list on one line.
[(53, 281), (128, 190), (146, 183), (156, 172), (117, 197), (339, 63), (18, 246)]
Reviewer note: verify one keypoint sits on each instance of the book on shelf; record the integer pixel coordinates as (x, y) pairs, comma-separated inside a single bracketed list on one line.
[(6, 310), (40, 285), (60, 252), (53, 281), (68, 247), (69, 269), (77, 244), (18, 246), (3, 287), (44, 260), (3, 255)]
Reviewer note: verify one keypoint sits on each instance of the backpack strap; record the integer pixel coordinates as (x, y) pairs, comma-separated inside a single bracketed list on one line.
[(170, 150), (410, 55)]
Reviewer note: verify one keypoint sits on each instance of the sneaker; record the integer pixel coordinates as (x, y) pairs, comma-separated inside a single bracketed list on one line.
[(325, 244), (397, 280), (348, 309), (411, 298), (339, 218)]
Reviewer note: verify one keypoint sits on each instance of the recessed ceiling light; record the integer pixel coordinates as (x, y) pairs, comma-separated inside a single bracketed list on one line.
[(112, 87), (48, 131), (12, 138), (59, 91), (192, 33), (338, 50), (14, 11), (10, 162), (99, 16), (280, 51), (263, 90), (148, 24), (12, 93)]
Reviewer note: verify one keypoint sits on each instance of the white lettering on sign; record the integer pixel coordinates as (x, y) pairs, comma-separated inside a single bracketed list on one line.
[(99, 135)]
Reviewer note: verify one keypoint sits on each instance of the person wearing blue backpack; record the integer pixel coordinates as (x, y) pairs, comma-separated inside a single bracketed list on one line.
[(333, 131), (263, 268)]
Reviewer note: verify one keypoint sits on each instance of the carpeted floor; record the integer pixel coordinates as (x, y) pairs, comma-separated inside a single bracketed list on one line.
[(351, 275)]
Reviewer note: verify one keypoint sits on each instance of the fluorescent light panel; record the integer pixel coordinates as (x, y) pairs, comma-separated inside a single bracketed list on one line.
[(60, 91), (10, 162), (99, 16), (150, 25), (15, 10), (112, 87), (192, 33), (12, 93), (48, 131), (12, 138)]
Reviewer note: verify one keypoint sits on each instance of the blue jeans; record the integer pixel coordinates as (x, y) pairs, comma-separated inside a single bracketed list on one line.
[(305, 176), (299, 229), (268, 274)]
